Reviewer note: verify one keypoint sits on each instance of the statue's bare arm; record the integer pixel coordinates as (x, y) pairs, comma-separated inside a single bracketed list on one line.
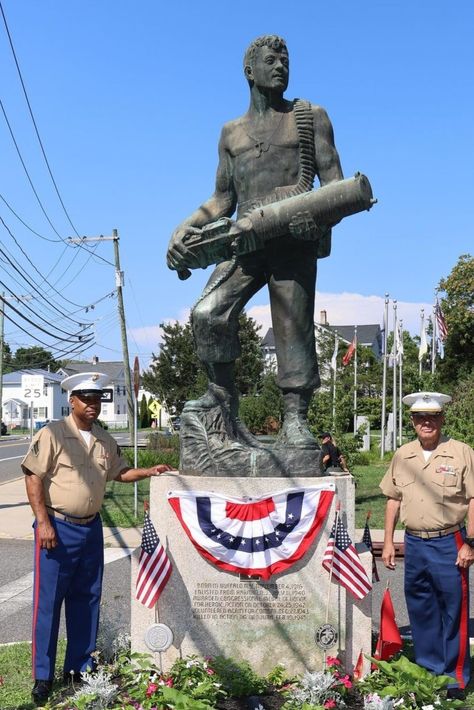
[(221, 204), (328, 165)]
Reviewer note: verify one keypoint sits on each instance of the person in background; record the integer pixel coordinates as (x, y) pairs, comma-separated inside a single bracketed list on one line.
[(430, 486), (332, 456), (66, 470)]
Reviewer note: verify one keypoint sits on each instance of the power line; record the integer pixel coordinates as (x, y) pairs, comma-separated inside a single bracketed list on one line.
[(34, 121)]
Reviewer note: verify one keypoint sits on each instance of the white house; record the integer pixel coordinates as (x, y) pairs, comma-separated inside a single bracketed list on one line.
[(49, 402)]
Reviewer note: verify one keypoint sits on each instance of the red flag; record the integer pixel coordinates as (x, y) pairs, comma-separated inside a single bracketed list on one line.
[(154, 566), (349, 352), (342, 559), (389, 641), (359, 667)]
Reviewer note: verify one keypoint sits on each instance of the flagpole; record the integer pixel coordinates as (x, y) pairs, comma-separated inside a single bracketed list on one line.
[(422, 328), (400, 381), (433, 341), (338, 508), (355, 380), (384, 377), (334, 364), (394, 395)]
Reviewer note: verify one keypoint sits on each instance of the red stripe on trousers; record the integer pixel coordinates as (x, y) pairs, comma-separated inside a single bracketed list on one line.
[(35, 601), (463, 621)]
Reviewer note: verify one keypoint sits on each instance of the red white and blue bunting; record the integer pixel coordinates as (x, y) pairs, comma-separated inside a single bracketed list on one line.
[(253, 536)]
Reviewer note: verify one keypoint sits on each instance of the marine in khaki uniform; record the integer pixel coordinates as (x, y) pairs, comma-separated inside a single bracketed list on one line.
[(430, 486), (66, 471)]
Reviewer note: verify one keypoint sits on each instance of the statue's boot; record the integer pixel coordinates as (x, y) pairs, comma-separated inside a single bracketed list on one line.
[(223, 393), (214, 396), (295, 432)]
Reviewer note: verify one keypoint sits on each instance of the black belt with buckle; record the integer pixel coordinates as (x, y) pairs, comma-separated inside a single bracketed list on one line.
[(430, 534), (71, 518)]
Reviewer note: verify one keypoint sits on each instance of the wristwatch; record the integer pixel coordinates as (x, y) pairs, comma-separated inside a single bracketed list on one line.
[(469, 541)]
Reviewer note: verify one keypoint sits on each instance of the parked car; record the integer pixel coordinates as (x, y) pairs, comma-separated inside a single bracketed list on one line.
[(175, 424)]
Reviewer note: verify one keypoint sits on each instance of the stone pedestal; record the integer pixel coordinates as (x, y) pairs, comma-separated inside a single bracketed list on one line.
[(212, 612)]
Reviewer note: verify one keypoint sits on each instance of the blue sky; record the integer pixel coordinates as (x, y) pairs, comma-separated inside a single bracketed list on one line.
[(129, 98)]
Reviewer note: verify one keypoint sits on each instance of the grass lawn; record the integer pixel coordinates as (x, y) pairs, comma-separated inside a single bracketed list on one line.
[(15, 670), (368, 495)]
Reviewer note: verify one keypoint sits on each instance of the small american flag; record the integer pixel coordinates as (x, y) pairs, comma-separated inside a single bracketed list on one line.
[(342, 561), (441, 322), (367, 540), (154, 566)]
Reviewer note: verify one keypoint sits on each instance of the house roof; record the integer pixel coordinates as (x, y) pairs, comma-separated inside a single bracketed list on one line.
[(366, 334), (14, 378), (114, 370)]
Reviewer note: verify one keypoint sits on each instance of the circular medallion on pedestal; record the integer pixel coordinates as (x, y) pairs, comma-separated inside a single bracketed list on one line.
[(158, 637), (326, 636)]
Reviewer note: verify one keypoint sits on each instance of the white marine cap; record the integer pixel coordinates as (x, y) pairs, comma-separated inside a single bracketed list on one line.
[(429, 402), (86, 383)]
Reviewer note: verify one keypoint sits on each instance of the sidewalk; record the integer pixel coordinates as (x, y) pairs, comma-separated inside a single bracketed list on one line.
[(16, 518)]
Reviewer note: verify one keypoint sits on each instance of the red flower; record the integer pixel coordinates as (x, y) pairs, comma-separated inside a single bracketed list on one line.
[(209, 671), (330, 704), (152, 688), (333, 661), (346, 681), (169, 683)]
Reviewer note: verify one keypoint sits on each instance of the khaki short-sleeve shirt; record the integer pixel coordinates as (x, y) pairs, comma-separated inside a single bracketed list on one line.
[(74, 475), (434, 494)]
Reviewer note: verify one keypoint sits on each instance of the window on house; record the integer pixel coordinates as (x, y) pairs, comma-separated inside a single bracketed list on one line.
[(40, 412)]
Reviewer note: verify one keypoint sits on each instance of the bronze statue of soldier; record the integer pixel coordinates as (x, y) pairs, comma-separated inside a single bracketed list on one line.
[(272, 152)]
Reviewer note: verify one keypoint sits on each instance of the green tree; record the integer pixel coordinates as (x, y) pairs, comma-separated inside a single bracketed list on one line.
[(144, 413), (457, 305), (176, 375), (7, 358), (34, 358), (262, 411), (249, 366), (460, 413)]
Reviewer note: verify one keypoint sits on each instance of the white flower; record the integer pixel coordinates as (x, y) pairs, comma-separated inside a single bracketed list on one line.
[(427, 707)]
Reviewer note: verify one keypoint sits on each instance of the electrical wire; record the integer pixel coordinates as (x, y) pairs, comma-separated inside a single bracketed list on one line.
[(34, 121)]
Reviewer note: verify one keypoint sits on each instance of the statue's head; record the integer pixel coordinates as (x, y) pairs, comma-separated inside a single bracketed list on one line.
[(264, 50)]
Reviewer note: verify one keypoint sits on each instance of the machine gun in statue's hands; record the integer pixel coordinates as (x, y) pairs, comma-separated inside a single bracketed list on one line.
[(307, 216)]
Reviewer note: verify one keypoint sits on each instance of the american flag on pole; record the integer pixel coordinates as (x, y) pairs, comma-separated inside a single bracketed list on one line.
[(441, 322), (367, 540), (342, 561), (154, 566)]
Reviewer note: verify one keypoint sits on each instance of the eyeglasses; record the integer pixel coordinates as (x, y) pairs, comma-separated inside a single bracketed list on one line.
[(420, 417)]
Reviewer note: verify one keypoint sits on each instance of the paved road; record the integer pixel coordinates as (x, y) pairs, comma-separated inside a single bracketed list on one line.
[(13, 448), (16, 580)]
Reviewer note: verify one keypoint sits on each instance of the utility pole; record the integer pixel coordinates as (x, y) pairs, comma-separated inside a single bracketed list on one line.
[(123, 330), (2, 330), (121, 310)]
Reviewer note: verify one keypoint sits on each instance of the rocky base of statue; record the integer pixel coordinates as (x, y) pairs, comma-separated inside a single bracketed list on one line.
[(213, 442)]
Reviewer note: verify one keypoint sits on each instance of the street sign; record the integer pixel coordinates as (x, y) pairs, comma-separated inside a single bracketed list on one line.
[(154, 408), (32, 386), (136, 376)]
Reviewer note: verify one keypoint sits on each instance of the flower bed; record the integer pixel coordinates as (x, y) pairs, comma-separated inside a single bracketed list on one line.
[(130, 681)]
